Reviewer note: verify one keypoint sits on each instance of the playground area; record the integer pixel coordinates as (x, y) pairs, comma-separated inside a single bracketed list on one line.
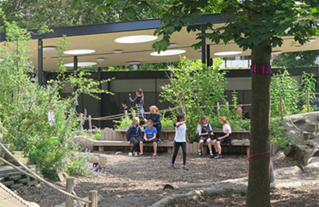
[(133, 181)]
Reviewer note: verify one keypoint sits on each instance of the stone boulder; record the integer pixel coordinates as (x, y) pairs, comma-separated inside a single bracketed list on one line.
[(84, 141)]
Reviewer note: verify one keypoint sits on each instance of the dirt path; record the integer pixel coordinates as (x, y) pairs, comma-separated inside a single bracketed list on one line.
[(133, 181)]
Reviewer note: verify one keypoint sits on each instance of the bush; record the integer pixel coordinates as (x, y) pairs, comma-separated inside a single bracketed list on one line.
[(277, 132)]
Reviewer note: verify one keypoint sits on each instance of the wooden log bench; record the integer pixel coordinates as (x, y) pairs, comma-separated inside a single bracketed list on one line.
[(102, 145)]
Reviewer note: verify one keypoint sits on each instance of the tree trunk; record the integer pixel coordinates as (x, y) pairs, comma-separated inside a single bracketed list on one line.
[(258, 193)]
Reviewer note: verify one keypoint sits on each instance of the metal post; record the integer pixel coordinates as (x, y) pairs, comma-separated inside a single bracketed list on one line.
[(100, 107), (75, 62), (209, 62), (40, 61), (203, 48)]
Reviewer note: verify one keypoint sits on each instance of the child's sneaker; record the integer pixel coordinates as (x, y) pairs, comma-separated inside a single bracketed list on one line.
[(185, 167), (218, 156), (172, 167), (135, 154), (154, 155), (159, 141), (140, 155), (211, 155), (199, 154), (130, 154)]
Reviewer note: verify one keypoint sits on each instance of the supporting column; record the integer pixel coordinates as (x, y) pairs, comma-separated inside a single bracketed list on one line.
[(209, 62), (203, 48), (40, 61), (100, 107), (75, 62)]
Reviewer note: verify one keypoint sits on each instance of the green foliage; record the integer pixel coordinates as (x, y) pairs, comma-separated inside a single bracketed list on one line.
[(205, 87), (277, 132), (25, 105), (78, 163), (297, 59), (292, 93), (97, 135)]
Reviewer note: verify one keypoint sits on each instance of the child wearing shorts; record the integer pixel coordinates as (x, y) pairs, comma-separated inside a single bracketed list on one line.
[(224, 138), (149, 137), (205, 131), (134, 135)]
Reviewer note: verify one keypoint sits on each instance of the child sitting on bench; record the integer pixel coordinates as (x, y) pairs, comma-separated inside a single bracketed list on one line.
[(134, 135), (224, 138), (205, 131), (149, 137)]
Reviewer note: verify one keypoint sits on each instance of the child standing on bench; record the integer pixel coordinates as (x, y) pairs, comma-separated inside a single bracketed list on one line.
[(156, 118), (134, 135), (205, 131), (180, 139), (224, 138), (139, 101), (149, 137)]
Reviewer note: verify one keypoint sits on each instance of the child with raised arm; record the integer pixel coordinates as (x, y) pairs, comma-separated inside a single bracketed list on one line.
[(180, 139), (224, 138), (139, 101), (149, 137), (134, 135), (156, 118), (205, 131)]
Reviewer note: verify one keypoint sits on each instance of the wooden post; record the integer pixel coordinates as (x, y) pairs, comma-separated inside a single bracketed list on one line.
[(81, 122), (281, 108), (301, 136), (308, 104), (217, 109), (69, 189), (93, 198), (90, 123)]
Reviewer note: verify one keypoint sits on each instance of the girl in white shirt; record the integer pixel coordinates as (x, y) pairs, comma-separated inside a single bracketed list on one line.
[(224, 138), (180, 139)]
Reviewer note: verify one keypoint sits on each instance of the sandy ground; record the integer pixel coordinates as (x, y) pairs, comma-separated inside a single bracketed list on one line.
[(305, 196), (139, 181)]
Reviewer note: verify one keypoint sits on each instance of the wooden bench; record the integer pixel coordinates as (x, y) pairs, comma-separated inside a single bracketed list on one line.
[(237, 146), (167, 145)]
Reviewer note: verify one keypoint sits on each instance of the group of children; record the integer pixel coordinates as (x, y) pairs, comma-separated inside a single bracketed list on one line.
[(152, 130)]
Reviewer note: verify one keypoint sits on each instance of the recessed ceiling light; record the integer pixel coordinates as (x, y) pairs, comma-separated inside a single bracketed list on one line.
[(80, 64), (100, 59), (49, 49), (117, 51), (172, 45), (134, 63), (228, 53), (136, 39), (168, 53), (79, 52), (311, 40)]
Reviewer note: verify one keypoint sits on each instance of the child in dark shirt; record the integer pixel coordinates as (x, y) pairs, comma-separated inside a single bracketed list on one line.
[(134, 135), (139, 101), (125, 107)]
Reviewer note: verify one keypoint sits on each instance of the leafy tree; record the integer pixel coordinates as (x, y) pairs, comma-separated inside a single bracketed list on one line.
[(297, 59), (257, 25), (205, 87)]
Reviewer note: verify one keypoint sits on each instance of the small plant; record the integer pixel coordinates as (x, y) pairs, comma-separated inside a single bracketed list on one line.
[(277, 132), (97, 134)]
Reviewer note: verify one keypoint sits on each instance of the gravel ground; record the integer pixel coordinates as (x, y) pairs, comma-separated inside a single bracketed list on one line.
[(139, 181)]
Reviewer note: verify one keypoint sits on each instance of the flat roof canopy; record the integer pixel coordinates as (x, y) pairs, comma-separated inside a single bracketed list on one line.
[(101, 38)]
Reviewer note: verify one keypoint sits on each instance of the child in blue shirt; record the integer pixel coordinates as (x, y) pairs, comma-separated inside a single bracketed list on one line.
[(125, 107), (134, 135), (156, 118), (149, 137)]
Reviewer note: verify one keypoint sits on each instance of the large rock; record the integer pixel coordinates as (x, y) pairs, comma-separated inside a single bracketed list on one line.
[(84, 141)]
